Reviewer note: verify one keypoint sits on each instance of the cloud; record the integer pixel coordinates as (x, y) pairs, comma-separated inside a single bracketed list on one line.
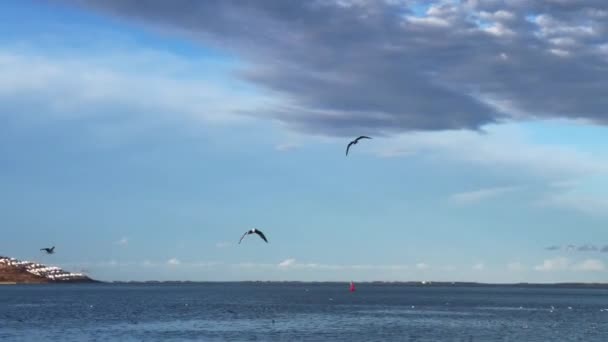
[(586, 204), (481, 194), (587, 248), (555, 264), (581, 248), (341, 67), (515, 266), (293, 264), (287, 262), (186, 264), (479, 266), (143, 264), (173, 262), (564, 264), (591, 265), (422, 266), (38, 87), (122, 241), (394, 267), (501, 147)]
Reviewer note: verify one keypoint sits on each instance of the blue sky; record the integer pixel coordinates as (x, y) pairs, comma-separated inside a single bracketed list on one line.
[(144, 150)]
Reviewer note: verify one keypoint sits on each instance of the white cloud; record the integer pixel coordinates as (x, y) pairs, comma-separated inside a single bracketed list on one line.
[(177, 262), (428, 22), (130, 81), (563, 264), (143, 264), (499, 147), (481, 194), (287, 262), (589, 265), (555, 264), (173, 262), (588, 204), (396, 267), (422, 266), (100, 264), (499, 30), (122, 241), (293, 264), (479, 266), (515, 266)]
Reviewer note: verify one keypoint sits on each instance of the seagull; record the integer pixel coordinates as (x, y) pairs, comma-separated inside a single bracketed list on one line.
[(254, 231), (354, 142), (48, 250)]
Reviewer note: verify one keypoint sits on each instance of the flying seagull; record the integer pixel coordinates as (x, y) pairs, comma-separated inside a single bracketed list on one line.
[(254, 231), (354, 142), (48, 250)]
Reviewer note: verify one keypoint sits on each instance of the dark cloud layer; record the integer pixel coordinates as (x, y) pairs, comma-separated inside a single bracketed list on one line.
[(587, 248), (349, 66), (581, 248)]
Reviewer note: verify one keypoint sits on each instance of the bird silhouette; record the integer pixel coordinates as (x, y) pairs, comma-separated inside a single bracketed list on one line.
[(354, 142), (48, 250), (254, 231)]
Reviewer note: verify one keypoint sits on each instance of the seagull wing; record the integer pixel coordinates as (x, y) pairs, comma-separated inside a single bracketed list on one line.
[(362, 137), (261, 235), (243, 237), (43, 249), (348, 147)]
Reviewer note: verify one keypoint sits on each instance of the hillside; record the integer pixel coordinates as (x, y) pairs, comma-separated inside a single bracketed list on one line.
[(10, 274), (13, 271)]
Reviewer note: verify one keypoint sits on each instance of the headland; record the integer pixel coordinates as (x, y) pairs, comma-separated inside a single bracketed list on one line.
[(14, 271)]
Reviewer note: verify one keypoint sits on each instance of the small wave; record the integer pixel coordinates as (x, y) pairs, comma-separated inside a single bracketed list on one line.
[(31, 305)]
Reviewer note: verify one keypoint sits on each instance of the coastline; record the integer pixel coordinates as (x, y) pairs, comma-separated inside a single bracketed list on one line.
[(374, 283)]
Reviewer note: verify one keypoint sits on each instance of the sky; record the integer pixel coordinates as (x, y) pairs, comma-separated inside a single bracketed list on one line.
[(143, 138)]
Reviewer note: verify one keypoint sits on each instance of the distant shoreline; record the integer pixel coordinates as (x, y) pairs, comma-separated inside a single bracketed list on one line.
[(376, 283), (313, 283)]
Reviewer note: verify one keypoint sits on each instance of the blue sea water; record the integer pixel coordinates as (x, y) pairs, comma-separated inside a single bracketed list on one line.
[(299, 312)]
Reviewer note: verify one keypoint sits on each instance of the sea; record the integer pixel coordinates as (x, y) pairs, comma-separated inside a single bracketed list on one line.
[(260, 311)]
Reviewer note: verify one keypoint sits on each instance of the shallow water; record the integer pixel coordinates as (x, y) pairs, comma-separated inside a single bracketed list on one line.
[(299, 312)]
